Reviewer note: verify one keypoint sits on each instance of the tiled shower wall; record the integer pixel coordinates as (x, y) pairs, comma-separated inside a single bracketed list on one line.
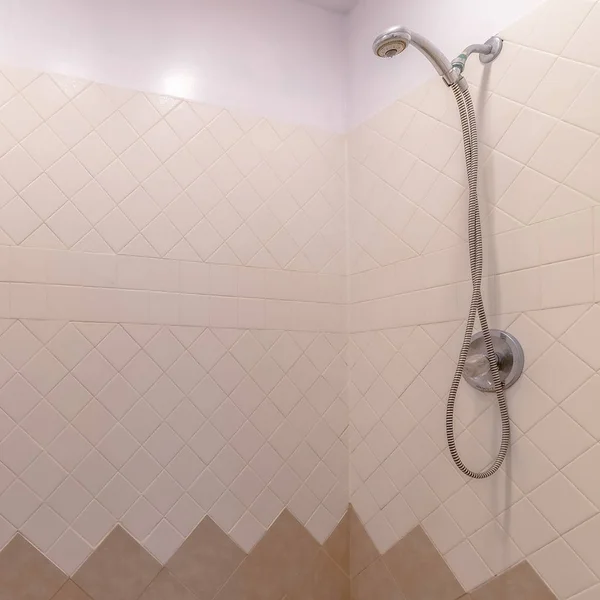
[(539, 121), (173, 322), (176, 340)]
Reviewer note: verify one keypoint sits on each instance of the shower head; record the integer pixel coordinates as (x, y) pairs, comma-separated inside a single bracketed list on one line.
[(391, 42), (394, 40)]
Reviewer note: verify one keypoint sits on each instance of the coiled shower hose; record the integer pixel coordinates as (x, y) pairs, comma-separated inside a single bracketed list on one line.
[(477, 309)]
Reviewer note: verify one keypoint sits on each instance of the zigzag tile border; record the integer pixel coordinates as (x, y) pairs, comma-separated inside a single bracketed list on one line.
[(287, 562)]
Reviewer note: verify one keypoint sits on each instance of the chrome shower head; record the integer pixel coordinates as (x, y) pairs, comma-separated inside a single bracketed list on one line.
[(394, 40), (390, 43)]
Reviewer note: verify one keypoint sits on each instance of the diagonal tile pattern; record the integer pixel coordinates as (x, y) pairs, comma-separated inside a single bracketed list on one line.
[(200, 166), (155, 427)]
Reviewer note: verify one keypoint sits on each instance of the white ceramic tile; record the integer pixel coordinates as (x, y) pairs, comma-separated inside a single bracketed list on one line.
[(560, 87), (575, 283), (44, 527), (69, 499), (583, 112), (468, 511), (69, 125), (525, 135), (551, 159), (527, 527), (531, 467), (118, 446), (558, 425), (495, 547), (583, 177), (527, 194), (589, 594), (19, 117), (18, 503), (18, 450), (583, 539), (575, 473), (559, 372), (550, 26), (565, 237), (442, 530), (141, 519), (576, 48), (247, 532), (185, 515), (552, 497), (94, 523), (44, 475), (581, 406), (117, 496), (524, 75), (164, 541), (70, 551), (578, 337), (28, 398)]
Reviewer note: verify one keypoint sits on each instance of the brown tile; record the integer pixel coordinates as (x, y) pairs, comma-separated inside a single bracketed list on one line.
[(206, 560), (375, 582), (420, 571), (70, 591), (519, 582), (119, 569), (276, 565), (166, 587), (26, 574), (338, 544), (326, 581), (362, 548)]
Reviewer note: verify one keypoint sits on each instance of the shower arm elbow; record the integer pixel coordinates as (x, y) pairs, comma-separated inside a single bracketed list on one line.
[(487, 53)]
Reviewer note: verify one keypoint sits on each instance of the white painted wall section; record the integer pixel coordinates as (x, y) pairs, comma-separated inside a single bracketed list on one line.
[(279, 58)]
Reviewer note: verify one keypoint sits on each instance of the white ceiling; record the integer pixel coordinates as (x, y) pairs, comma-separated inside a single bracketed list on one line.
[(341, 6)]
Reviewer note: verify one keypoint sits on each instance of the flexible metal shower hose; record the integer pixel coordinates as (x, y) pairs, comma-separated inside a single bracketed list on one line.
[(477, 309)]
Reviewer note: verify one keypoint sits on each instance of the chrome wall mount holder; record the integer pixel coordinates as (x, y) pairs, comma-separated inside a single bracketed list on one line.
[(509, 354), (495, 43)]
